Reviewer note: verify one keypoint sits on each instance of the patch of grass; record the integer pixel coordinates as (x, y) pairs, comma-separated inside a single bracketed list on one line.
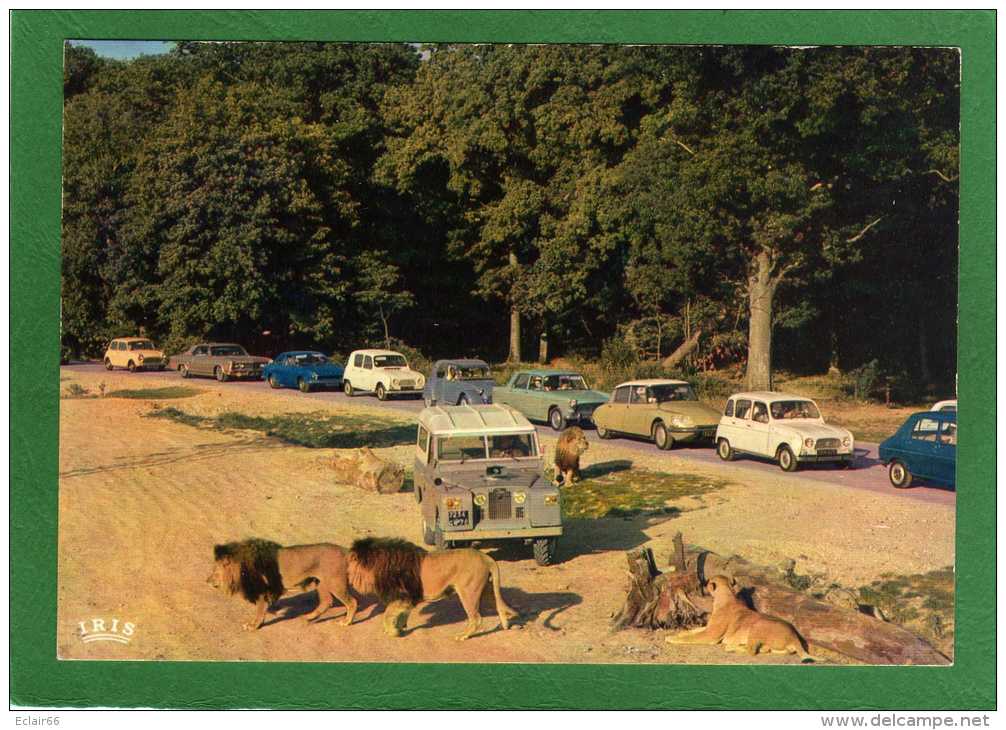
[(923, 603), (311, 430), (175, 391), (75, 390), (623, 492)]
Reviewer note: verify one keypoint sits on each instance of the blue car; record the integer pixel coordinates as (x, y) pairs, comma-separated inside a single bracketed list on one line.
[(925, 447), (458, 382), (304, 369)]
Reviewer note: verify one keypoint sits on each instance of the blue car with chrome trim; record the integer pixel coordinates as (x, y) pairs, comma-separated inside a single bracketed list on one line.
[(925, 447), (306, 370)]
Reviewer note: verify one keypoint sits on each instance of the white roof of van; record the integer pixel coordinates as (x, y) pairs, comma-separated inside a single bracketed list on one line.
[(478, 419)]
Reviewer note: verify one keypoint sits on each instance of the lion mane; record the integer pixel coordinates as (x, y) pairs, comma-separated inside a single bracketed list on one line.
[(388, 568), (571, 444), (253, 569)]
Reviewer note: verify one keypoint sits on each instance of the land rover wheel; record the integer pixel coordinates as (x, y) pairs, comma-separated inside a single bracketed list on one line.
[(108, 364), (556, 420), (273, 383), (544, 550), (787, 462), (428, 536), (725, 450), (381, 393), (662, 437), (219, 373), (131, 366), (899, 475), (347, 388), (183, 370), (305, 387)]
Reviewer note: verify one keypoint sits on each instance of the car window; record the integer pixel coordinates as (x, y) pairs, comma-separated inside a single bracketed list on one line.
[(358, 361), (515, 446), (743, 408), (729, 410), (759, 412), (368, 364), (949, 408), (787, 409), (389, 361), (672, 392), (200, 350), (621, 394), (536, 383), (441, 372), (926, 429), (948, 434), (521, 380), (564, 382), (423, 440), (228, 351), (141, 345), (308, 358), (461, 448), (638, 394), (474, 372)]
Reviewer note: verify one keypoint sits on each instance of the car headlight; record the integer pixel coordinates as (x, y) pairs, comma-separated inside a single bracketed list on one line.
[(809, 443), (314, 376), (846, 441), (421, 381), (681, 422), (572, 403), (520, 497), (140, 357), (452, 503), (394, 382), (551, 499), (480, 500)]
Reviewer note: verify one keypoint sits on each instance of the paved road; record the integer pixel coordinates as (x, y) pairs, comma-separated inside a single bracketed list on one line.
[(868, 473)]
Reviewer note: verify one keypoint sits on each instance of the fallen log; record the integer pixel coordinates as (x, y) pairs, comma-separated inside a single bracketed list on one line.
[(675, 600), (672, 360), (365, 469)]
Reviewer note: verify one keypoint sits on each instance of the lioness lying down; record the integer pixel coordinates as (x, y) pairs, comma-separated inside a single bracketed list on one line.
[(736, 626), (399, 573)]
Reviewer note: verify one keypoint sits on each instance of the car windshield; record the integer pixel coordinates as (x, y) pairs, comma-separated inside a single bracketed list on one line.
[(669, 392), (310, 358), (461, 448), (227, 350), (564, 382), (389, 361), (141, 345), (512, 446), (787, 409)]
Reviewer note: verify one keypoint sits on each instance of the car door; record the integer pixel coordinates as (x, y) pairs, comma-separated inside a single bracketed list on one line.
[(536, 399), (422, 473), (516, 394), (614, 412), (199, 364), (638, 411), (758, 429), (115, 356), (287, 371), (436, 383), (367, 378), (738, 423), (925, 449), (946, 458)]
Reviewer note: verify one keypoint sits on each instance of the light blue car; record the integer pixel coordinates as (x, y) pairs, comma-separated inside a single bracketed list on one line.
[(458, 383), (304, 369)]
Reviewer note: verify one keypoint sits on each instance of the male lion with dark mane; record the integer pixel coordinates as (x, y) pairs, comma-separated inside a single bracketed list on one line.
[(400, 574), (263, 571), (568, 450)]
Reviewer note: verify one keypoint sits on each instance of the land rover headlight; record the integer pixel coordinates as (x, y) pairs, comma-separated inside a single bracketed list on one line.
[(452, 503), (572, 403), (846, 441), (480, 500), (809, 443), (520, 497), (551, 499)]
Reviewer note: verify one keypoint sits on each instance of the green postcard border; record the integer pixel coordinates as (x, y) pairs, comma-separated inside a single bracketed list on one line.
[(38, 679)]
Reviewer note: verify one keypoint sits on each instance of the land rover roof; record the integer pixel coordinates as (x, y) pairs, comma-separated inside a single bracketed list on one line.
[(478, 419)]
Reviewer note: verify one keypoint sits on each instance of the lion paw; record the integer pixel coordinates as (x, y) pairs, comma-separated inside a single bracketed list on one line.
[(250, 626)]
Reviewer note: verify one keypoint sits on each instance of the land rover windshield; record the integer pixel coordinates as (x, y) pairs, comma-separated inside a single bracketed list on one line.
[(475, 448)]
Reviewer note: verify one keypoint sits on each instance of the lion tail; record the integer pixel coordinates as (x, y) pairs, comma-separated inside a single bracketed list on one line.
[(505, 612), (387, 568)]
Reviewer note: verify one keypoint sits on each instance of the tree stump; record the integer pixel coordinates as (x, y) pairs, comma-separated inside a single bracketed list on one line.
[(658, 600), (364, 469)]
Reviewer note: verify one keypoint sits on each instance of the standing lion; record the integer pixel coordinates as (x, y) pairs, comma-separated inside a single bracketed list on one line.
[(571, 445)]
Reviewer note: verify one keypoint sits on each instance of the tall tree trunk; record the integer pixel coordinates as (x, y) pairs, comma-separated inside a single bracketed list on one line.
[(543, 348), (384, 321), (514, 355), (761, 292)]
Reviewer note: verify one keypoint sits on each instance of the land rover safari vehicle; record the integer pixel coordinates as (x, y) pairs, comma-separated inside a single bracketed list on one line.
[(479, 477)]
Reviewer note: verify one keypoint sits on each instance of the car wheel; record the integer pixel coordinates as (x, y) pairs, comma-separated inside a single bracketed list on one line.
[(602, 432), (463, 400), (381, 393), (725, 450), (662, 437), (131, 366), (556, 420), (787, 462), (220, 375), (305, 387), (428, 536), (347, 388), (899, 475), (183, 370), (273, 383), (544, 550), (108, 364)]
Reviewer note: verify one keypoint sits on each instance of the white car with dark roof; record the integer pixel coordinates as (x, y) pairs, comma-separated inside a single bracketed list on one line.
[(786, 428)]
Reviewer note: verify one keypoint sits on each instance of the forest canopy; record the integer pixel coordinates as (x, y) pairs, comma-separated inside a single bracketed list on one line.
[(783, 207)]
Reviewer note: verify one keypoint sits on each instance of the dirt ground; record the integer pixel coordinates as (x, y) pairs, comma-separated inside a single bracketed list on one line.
[(143, 500)]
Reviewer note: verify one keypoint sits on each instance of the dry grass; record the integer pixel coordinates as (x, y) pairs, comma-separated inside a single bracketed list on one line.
[(613, 489)]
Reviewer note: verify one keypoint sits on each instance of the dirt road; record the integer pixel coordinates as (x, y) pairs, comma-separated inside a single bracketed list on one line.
[(143, 500)]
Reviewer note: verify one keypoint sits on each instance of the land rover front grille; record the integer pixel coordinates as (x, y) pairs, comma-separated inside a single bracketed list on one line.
[(826, 444), (499, 504)]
